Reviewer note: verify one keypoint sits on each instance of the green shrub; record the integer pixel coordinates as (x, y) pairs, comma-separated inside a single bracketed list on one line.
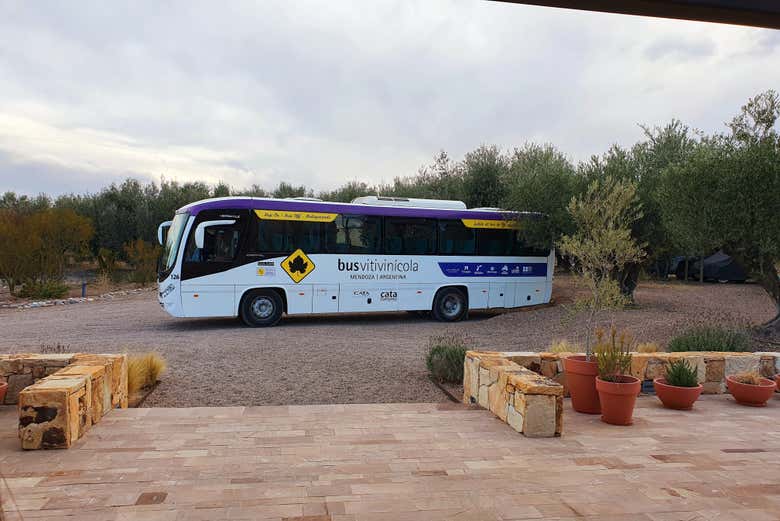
[(446, 353), (44, 290), (681, 374), (710, 338)]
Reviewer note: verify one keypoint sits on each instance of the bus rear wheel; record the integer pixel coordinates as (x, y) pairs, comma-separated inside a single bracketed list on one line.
[(261, 308), (450, 305)]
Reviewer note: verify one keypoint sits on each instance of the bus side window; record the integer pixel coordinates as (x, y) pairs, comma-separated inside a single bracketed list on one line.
[(456, 239), (353, 234), (492, 243), (409, 236)]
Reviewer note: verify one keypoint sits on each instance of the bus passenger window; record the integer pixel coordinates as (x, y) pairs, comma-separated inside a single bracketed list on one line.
[(404, 236), (495, 242), (353, 234), (456, 239)]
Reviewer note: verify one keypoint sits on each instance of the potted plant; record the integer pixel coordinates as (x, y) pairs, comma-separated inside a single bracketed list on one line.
[(750, 388), (581, 371), (681, 388), (598, 252), (617, 389)]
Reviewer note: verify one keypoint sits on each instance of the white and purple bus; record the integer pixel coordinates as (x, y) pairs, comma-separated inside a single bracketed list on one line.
[(259, 258)]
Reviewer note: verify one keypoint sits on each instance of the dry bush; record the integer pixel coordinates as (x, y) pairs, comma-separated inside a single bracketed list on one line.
[(647, 347), (143, 258), (748, 377), (102, 282), (563, 346), (143, 370)]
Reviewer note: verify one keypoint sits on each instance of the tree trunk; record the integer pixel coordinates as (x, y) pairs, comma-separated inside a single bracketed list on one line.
[(628, 279), (701, 269), (771, 283)]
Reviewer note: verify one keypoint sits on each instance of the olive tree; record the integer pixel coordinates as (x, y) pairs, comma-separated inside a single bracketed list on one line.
[(602, 245), (685, 195)]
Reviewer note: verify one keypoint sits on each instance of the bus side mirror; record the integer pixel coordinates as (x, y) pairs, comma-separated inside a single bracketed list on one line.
[(200, 230), (161, 231)]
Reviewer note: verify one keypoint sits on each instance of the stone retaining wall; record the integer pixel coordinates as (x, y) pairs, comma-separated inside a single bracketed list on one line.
[(61, 396), (530, 403)]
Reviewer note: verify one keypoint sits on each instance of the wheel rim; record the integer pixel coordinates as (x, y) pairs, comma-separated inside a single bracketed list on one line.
[(451, 306), (262, 307)]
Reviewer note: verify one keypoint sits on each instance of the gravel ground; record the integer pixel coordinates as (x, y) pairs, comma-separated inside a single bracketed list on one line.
[(342, 359)]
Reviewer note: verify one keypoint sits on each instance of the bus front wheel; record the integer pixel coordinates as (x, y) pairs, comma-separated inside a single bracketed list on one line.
[(450, 305), (261, 308)]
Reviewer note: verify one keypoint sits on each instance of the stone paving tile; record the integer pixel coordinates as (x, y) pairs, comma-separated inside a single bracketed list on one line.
[(398, 462)]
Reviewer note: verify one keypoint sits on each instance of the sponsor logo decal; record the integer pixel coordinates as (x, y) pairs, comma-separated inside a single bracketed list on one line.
[(297, 265), (375, 269), (266, 269), (285, 215), (492, 224), (388, 296), (494, 269)]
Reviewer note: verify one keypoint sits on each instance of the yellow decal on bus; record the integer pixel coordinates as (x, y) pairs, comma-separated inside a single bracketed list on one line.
[(492, 224), (297, 265), (287, 215)]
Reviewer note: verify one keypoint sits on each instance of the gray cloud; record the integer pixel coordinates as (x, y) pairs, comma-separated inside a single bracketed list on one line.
[(319, 93)]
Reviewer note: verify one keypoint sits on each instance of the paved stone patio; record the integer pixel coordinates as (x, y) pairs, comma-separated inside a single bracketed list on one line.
[(398, 462)]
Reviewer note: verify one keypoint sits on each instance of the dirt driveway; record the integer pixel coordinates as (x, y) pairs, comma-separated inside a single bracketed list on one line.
[(339, 359)]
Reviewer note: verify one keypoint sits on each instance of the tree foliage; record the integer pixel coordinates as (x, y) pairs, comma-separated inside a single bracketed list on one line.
[(541, 179), (36, 245), (602, 244)]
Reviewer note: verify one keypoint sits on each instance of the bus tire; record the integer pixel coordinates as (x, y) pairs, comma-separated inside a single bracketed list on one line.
[(261, 308), (450, 305)]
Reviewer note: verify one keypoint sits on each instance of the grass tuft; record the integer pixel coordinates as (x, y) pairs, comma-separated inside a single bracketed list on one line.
[(143, 370)]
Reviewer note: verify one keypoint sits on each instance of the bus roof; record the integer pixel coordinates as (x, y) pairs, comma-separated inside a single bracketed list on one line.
[(299, 205)]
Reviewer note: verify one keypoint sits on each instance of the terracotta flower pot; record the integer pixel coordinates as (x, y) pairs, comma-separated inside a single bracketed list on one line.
[(753, 395), (618, 399), (581, 380), (674, 397), (777, 381), (3, 389)]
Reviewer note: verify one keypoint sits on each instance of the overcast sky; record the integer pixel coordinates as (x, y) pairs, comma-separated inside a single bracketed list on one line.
[(320, 93)]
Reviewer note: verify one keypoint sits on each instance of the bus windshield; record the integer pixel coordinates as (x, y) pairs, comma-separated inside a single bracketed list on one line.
[(172, 242)]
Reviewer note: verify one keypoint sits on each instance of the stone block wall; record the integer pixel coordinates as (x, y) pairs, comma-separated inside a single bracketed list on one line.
[(61, 396), (529, 402), (25, 369)]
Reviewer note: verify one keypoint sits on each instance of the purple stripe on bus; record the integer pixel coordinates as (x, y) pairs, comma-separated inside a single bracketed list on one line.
[(306, 206)]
